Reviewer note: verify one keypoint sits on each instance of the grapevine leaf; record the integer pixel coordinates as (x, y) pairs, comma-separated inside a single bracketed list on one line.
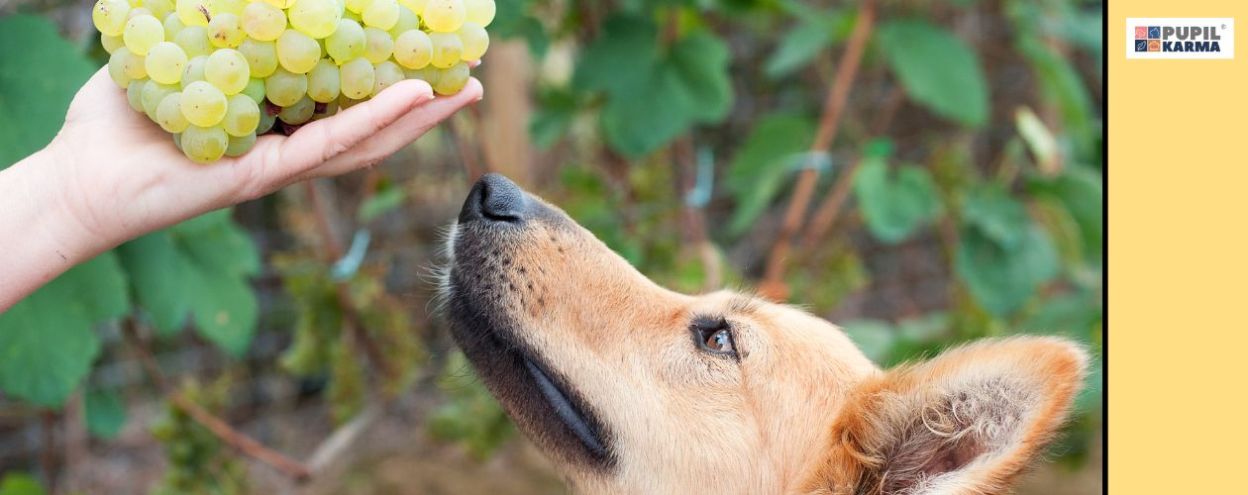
[(158, 274), (46, 341), (700, 61), (106, 414), (758, 170), (34, 94), (895, 203), (1000, 277), (937, 69), (997, 216)]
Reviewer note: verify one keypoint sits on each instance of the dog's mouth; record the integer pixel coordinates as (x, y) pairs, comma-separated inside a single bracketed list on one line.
[(566, 409)]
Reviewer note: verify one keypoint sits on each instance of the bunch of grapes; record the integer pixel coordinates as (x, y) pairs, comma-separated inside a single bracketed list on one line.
[(217, 73)]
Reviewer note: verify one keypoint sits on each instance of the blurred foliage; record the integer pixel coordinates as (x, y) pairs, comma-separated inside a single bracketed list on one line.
[(20, 484), (199, 463)]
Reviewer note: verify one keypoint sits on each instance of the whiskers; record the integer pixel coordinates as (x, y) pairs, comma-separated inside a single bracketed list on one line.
[(438, 271)]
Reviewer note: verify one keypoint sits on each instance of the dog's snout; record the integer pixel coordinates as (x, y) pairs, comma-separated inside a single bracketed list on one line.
[(494, 198)]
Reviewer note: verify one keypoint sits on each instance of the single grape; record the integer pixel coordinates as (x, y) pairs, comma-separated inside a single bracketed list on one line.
[(281, 4), (193, 12), (357, 6), (172, 25), (142, 33), (194, 70), (240, 145), (242, 115), (381, 14), (153, 93), (263, 21), (194, 41), (299, 112), (159, 8), (117, 67), (384, 75), (284, 88), (447, 50), (323, 82), (134, 95), (109, 16), (111, 43), (296, 52), (134, 65), (254, 90), (261, 56), (204, 144), (407, 21), (378, 45), (169, 114), (315, 18), (427, 74), (357, 78), (346, 43), (444, 16), (475, 40), (203, 104), (413, 49), (165, 63), (266, 122), (480, 12), (227, 70), (451, 80), (416, 6), (225, 30)]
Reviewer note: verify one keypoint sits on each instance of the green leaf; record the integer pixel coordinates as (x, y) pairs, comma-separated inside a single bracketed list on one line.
[(937, 69), (874, 337), (20, 484), (1081, 191), (1001, 278), (556, 109), (990, 209), (815, 32), (47, 343), (895, 203), (39, 74), (106, 414), (701, 59), (761, 164), (199, 267)]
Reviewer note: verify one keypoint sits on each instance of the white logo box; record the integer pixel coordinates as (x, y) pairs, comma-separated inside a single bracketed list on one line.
[(1222, 29)]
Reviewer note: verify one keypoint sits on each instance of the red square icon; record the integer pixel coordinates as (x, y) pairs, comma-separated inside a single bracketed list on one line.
[(1141, 32)]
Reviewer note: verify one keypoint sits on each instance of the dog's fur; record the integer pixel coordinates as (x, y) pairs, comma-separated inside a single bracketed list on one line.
[(798, 409)]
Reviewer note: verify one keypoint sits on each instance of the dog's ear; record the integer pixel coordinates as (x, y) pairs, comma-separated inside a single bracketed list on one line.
[(965, 422)]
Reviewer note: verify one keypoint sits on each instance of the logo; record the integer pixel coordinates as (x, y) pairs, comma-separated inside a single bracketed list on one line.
[(1190, 38)]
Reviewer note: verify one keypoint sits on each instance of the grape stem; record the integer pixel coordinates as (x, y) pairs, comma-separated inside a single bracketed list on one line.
[(772, 286)]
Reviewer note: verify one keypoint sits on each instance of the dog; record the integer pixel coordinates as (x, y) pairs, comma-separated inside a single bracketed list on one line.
[(630, 388)]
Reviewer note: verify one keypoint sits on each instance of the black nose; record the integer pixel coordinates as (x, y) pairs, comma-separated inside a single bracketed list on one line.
[(494, 198)]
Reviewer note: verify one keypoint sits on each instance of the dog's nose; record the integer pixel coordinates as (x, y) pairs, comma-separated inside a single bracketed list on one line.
[(494, 198)]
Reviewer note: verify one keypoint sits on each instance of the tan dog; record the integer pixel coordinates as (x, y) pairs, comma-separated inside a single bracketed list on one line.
[(634, 389)]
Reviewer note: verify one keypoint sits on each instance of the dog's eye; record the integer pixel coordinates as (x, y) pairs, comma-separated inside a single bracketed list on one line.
[(720, 341)]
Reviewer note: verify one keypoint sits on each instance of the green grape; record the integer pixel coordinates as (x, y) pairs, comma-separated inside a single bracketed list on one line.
[(346, 43), (323, 82), (225, 30), (109, 16), (357, 78), (447, 50), (117, 67), (169, 114), (266, 122), (263, 21), (242, 115), (228, 6), (416, 6), (427, 74), (227, 70), (173, 26), (111, 43), (142, 33), (153, 93), (285, 88), (407, 21), (413, 49), (296, 52), (378, 45), (254, 90), (281, 4), (240, 145), (136, 12), (194, 70), (475, 40), (315, 18), (451, 80), (194, 41), (134, 95), (165, 63), (203, 145), (347, 14), (159, 8), (381, 14), (444, 16), (386, 74), (261, 56), (298, 113), (134, 65), (203, 104), (480, 12), (358, 6), (193, 12)]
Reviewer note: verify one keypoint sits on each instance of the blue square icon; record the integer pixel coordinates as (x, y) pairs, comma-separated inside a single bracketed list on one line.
[(1154, 32), (1141, 45)]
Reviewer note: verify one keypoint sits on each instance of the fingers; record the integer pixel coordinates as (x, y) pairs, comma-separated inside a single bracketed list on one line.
[(401, 133)]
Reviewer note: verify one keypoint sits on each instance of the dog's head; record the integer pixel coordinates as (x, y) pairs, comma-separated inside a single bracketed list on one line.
[(632, 388)]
